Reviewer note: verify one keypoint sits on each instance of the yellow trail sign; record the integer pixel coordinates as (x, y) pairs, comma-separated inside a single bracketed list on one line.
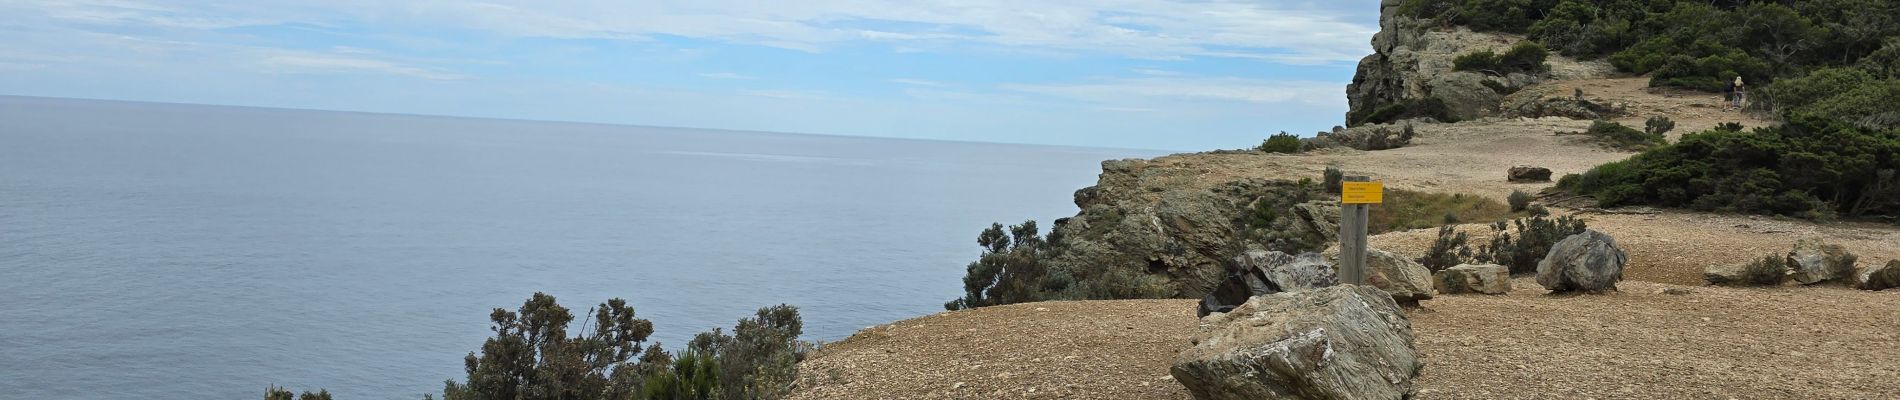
[(1362, 193)]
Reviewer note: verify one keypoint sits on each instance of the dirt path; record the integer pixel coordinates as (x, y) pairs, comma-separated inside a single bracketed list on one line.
[(1639, 343)]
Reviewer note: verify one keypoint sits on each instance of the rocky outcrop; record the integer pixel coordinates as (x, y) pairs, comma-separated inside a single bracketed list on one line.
[(1146, 217), (1555, 101), (1587, 262), (1813, 261), (1260, 272), (1407, 281), (1880, 277), (1342, 342), (1526, 173), (1412, 60), (1473, 278)]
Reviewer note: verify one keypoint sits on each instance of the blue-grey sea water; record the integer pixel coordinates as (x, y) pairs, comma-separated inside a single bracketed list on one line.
[(182, 251)]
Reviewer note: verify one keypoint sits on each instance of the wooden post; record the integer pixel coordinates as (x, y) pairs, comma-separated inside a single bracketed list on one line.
[(1354, 213)]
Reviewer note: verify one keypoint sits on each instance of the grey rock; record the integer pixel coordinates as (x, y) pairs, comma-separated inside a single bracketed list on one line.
[(1319, 218), (1259, 272), (1473, 278), (1813, 261), (1588, 262), (1526, 173), (1341, 342), (1880, 277), (1407, 281)]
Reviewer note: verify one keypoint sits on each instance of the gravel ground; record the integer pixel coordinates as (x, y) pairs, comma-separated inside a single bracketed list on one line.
[(1638, 343)]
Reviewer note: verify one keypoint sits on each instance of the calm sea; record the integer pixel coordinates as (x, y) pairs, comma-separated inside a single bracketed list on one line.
[(179, 251)]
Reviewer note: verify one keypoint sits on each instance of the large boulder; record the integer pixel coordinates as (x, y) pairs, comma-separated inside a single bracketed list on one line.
[(1473, 278), (1881, 277), (1813, 261), (1407, 280), (1341, 342), (1526, 173), (1258, 272), (1588, 262)]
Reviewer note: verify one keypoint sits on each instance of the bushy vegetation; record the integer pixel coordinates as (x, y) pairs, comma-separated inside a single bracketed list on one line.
[(1333, 179), (1280, 143), (1409, 209), (1368, 139), (1622, 137), (1659, 125), (1522, 248), (1524, 58), (532, 357), (1431, 107), (1272, 221), (1769, 270), (277, 393), (1450, 249), (1694, 44), (1807, 168), (1519, 250), (1519, 200), (1014, 269)]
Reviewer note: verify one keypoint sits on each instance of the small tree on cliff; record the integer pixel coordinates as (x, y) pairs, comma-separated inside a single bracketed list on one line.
[(1009, 271), (532, 356)]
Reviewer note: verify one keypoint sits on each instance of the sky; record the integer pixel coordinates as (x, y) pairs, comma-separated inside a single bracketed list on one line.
[(1146, 74)]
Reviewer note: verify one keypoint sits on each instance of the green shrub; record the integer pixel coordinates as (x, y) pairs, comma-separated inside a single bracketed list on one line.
[(277, 393), (1431, 107), (1280, 143), (1769, 270), (1450, 249), (1519, 200), (1520, 250), (1009, 271), (1482, 60), (1622, 137), (759, 360), (1658, 125), (1525, 57), (1808, 168), (1334, 179)]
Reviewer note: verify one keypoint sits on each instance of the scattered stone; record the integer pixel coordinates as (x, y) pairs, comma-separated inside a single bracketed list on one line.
[(1341, 342), (1588, 262), (1813, 261), (1526, 173), (1879, 277), (1676, 291), (1407, 280), (1259, 272), (1473, 278)]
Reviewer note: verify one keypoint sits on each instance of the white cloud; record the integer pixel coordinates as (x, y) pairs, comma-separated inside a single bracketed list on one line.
[(726, 75), (1292, 32), (304, 62), (918, 82), (1151, 89)]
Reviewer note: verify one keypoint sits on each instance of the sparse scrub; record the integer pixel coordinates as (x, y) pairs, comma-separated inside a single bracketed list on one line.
[(1450, 249), (1770, 270), (1431, 107), (1519, 200), (1520, 250), (1622, 137), (1525, 57), (1407, 209), (1280, 143), (1334, 178), (1368, 139), (1658, 125), (277, 393)]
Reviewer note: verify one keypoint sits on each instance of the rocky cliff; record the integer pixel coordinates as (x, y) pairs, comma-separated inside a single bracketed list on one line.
[(1412, 60)]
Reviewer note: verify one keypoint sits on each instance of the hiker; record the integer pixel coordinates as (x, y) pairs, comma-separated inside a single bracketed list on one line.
[(1739, 91)]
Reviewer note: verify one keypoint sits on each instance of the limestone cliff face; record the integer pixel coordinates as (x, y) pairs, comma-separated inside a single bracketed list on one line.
[(1158, 218), (1412, 60)]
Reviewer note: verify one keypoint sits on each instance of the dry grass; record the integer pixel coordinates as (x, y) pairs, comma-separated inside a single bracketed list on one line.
[(1410, 209)]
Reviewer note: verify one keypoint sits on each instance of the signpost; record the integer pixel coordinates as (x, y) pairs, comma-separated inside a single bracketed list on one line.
[(1356, 195)]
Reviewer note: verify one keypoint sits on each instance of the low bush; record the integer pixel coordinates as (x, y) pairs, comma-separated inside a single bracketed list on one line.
[(1769, 270), (277, 393), (1807, 168), (1659, 125), (1431, 107), (1519, 200), (1450, 249), (1622, 137), (1525, 57), (1364, 138), (1407, 209), (1333, 179), (1522, 248), (1280, 143)]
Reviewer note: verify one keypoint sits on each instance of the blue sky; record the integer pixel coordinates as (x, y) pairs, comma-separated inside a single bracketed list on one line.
[(1155, 74)]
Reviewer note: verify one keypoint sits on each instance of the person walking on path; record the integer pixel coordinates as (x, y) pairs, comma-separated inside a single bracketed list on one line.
[(1738, 91)]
